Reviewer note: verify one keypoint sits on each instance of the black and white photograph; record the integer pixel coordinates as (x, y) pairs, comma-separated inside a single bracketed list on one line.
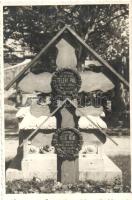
[(66, 73)]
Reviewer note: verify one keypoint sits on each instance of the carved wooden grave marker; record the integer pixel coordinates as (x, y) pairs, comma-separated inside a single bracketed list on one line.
[(67, 140)]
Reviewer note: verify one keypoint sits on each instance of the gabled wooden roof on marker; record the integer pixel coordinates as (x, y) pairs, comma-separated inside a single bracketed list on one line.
[(95, 55)]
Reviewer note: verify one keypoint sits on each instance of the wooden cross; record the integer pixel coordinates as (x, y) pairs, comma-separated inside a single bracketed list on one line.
[(68, 170)]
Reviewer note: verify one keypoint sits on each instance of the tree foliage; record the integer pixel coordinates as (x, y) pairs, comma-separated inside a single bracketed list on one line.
[(104, 27)]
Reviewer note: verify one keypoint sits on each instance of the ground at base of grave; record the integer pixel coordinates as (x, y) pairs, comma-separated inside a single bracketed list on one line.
[(39, 186), (51, 186)]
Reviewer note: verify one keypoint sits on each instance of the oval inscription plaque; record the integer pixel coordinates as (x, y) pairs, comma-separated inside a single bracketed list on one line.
[(66, 82), (67, 142)]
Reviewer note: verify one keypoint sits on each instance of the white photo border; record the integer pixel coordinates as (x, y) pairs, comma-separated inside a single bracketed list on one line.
[(76, 196)]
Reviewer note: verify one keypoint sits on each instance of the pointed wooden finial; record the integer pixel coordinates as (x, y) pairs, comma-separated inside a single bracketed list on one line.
[(66, 57)]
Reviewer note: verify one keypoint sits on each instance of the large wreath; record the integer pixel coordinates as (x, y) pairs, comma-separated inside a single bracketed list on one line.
[(59, 146), (57, 89)]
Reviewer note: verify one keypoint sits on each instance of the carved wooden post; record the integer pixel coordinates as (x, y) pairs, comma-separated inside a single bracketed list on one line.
[(69, 168), (67, 140)]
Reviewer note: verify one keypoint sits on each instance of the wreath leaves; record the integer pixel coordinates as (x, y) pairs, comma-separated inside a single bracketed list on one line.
[(58, 90), (59, 146)]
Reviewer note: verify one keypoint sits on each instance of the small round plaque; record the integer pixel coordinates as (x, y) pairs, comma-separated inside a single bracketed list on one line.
[(67, 142), (66, 82)]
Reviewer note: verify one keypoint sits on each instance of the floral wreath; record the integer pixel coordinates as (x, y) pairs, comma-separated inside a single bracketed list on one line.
[(59, 147), (57, 90)]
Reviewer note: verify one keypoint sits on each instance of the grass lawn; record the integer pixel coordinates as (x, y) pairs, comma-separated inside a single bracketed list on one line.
[(124, 163)]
